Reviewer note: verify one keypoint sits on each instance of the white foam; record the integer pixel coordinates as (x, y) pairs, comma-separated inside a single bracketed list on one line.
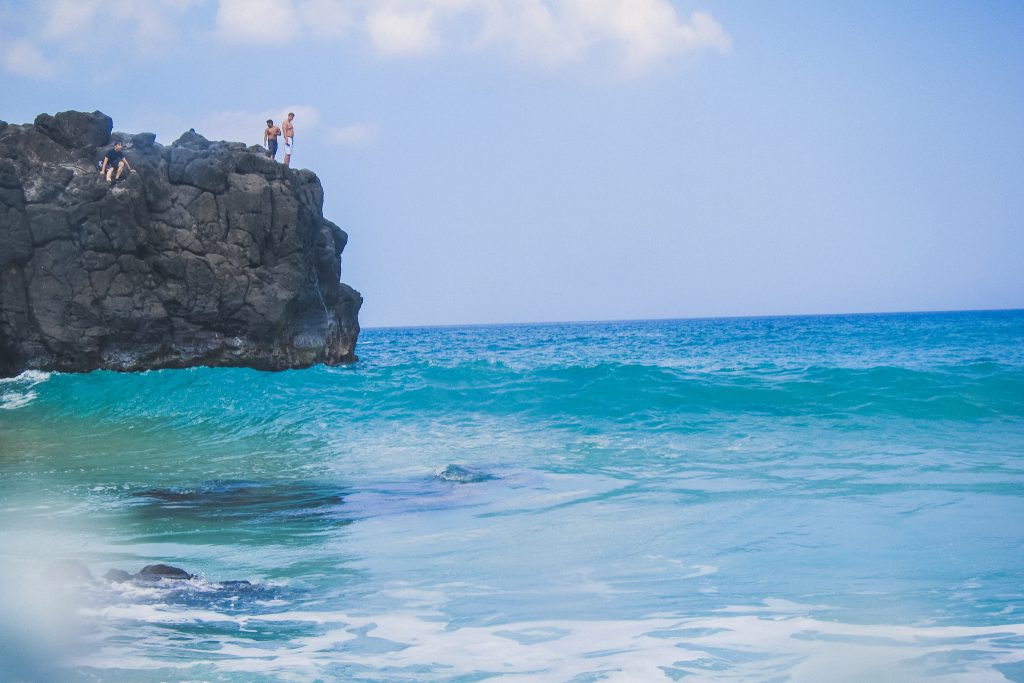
[(775, 639), (159, 614), (29, 376), (19, 389), (13, 399)]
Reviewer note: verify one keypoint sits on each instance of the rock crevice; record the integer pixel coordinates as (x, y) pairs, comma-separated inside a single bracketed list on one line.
[(208, 254)]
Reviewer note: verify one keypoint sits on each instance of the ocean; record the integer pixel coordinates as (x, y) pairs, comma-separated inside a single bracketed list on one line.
[(819, 498)]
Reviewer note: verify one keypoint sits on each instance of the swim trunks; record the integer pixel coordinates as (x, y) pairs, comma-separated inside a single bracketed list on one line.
[(272, 148), (288, 145)]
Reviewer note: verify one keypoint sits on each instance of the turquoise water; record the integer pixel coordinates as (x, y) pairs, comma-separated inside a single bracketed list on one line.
[(805, 499)]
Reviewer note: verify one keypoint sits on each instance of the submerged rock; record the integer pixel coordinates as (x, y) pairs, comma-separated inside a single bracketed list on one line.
[(208, 254), (156, 572), (462, 475), (148, 574)]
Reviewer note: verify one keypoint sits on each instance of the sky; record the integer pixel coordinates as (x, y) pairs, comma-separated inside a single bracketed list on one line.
[(551, 160)]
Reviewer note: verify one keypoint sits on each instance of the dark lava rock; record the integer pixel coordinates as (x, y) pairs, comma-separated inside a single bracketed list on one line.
[(156, 572), (76, 129), (117, 576), (209, 254), (148, 574)]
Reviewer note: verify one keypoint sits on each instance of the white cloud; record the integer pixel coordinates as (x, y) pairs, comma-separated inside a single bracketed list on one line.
[(355, 135), (704, 32), (22, 58), (152, 24), (306, 117), (279, 22), (629, 36), (395, 31), (257, 21), (239, 125), (633, 35), (636, 34), (532, 31), (326, 18), (68, 18)]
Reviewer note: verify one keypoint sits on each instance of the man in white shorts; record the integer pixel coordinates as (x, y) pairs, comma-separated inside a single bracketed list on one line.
[(289, 137)]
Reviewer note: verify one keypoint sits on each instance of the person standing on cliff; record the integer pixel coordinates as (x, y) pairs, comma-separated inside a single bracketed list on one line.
[(270, 138), (289, 137), (114, 160)]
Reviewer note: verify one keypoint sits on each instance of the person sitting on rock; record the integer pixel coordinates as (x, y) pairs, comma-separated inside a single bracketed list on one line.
[(114, 160)]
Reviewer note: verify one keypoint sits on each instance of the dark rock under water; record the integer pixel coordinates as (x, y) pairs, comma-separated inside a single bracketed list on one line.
[(69, 573), (208, 254), (156, 572), (463, 475)]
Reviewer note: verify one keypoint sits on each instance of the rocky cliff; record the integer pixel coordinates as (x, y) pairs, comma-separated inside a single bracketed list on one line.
[(208, 254)]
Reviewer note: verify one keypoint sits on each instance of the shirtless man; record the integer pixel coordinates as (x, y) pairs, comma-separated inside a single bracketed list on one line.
[(289, 137), (270, 138)]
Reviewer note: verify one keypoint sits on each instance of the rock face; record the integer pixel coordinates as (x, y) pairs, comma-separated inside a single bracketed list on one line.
[(208, 254)]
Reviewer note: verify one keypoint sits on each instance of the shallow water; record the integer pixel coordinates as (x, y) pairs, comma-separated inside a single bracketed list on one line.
[(810, 498)]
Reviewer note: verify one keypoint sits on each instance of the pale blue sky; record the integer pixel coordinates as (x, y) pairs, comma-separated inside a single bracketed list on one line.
[(542, 160)]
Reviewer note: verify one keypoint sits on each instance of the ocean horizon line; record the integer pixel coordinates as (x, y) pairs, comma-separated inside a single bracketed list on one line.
[(597, 321)]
